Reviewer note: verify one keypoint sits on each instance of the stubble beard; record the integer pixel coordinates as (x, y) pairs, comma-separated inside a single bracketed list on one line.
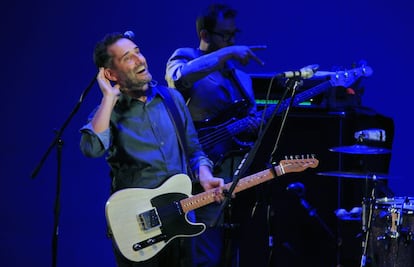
[(132, 83)]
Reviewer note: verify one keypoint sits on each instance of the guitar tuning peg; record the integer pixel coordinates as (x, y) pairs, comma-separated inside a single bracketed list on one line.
[(346, 74)]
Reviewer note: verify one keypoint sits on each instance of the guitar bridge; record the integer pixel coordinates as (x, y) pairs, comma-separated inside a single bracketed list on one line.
[(149, 219)]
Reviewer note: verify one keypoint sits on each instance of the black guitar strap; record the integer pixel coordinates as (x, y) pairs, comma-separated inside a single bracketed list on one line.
[(178, 125), (230, 72)]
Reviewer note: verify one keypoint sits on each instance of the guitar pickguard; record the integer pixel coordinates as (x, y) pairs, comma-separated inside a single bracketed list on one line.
[(169, 217), (172, 217)]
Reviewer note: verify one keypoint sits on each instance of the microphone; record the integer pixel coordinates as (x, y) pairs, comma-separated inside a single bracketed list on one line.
[(297, 188), (304, 73), (129, 34)]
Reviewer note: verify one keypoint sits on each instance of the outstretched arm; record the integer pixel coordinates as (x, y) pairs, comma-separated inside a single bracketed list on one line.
[(184, 68)]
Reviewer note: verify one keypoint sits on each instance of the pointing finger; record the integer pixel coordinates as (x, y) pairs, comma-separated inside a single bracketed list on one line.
[(255, 48), (257, 59)]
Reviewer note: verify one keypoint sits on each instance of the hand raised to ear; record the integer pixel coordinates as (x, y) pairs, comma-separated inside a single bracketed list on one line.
[(105, 84)]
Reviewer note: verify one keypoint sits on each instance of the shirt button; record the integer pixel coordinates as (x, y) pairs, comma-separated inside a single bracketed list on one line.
[(162, 143)]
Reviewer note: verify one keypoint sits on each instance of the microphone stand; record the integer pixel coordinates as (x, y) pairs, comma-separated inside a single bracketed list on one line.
[(58, 143), (300, 193), (292, 85), (366, 224), (244, 165)]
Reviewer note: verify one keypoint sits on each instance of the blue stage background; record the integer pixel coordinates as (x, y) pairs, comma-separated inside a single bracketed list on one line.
[(47, 46)]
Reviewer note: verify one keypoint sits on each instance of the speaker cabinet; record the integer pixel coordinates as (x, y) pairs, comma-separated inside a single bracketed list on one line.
[(280, 228)]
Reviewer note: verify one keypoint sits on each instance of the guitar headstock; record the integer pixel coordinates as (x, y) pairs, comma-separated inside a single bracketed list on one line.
[(298, 164), (348, 77)]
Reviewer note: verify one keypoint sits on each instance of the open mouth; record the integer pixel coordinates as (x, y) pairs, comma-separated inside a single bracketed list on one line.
[(140, 70)]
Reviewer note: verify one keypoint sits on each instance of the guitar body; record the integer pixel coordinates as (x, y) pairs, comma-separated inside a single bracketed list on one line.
[(144, 221)]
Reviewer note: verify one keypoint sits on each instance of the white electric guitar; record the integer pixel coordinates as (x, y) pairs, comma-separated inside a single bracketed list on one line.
[(143, 221)]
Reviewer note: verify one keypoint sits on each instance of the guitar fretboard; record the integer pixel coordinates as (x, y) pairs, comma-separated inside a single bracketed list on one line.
[(208, 197)]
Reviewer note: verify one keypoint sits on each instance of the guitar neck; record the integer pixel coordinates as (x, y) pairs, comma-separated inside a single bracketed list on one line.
[(239, 125), (341, 78), (207, 197)]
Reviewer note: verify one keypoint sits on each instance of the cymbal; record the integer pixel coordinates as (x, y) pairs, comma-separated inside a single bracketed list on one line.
[(360, 149), (354, 175)]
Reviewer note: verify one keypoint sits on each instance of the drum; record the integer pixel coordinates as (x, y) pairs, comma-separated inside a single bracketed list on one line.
[(391, 242)]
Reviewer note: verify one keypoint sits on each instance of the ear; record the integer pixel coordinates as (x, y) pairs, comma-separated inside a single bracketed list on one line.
[(205, 36), (110, 74)]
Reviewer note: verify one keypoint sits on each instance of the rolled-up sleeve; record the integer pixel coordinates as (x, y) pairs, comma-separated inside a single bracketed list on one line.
[(94, 144), (185, 67)]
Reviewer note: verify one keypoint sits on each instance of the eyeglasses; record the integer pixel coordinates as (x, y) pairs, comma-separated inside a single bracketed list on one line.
[(227, 36)]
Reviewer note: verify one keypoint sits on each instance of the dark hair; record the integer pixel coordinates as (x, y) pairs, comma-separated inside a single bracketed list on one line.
[(101, 58), (208, 19)]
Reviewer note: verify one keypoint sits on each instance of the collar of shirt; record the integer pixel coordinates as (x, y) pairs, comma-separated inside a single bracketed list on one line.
[(125, 100)]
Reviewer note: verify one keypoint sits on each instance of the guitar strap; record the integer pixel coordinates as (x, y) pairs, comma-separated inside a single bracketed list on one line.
[(230, 72), (178, 125)]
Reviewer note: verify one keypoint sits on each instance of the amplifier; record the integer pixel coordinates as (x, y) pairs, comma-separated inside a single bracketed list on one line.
[(269, 211)]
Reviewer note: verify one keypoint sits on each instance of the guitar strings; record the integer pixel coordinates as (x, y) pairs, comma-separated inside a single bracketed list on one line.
[(210, 139)]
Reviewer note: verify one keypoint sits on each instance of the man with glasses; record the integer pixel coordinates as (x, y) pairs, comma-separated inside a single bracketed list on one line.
[(216, 93)]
